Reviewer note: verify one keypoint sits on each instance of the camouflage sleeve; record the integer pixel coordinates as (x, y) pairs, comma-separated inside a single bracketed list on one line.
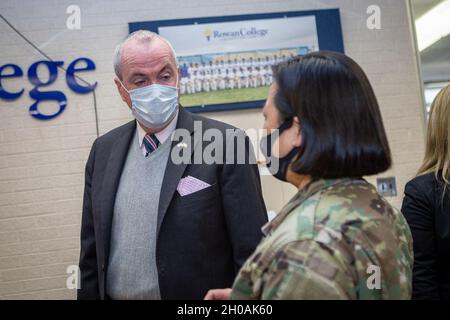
[(307, 270), (326, 267)]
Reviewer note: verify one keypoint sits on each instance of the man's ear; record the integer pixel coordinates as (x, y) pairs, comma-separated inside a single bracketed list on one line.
[(297, 139), (123, 94)]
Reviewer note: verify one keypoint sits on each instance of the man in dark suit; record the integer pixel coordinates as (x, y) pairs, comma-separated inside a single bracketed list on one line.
[(153, 227)]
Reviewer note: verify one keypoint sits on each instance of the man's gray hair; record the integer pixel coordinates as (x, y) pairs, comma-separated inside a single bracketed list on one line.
[(140, 35)]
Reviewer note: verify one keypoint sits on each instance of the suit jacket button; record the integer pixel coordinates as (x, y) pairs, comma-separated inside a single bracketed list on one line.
[(103, 267)]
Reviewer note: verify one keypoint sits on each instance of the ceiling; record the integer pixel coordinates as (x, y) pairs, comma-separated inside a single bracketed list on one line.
[(436, 58)]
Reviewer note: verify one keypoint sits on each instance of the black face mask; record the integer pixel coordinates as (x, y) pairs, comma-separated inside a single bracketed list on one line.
[(266, 146)]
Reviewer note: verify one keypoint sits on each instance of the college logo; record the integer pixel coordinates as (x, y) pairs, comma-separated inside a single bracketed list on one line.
[(239, 34), (208, 34), (37, 94)]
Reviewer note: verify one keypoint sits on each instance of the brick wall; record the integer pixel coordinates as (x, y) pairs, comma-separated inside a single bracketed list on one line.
[(42, 163)]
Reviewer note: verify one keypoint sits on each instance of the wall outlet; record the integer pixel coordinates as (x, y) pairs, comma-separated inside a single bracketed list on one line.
[(387, 187)]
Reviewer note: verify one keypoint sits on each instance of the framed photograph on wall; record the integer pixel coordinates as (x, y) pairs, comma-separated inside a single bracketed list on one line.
[(225, 62)]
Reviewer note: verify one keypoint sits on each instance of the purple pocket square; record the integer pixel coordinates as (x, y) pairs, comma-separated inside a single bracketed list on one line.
[(188, 185)]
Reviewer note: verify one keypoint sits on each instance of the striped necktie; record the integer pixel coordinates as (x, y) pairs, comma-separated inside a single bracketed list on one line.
[(151, 143)]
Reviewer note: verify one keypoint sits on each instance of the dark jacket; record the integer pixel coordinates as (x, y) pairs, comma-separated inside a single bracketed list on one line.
[(427, 211), (202, 238)]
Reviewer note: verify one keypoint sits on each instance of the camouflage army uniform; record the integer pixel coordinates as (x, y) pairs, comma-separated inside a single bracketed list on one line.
[(324, 244)]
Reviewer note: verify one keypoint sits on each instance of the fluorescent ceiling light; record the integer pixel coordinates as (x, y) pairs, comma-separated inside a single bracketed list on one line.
[(433, 25)]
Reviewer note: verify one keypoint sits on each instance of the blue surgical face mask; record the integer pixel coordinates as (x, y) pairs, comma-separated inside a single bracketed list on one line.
[(154, 106)]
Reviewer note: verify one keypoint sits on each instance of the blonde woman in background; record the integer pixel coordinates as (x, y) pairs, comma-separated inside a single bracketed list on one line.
[(426, 207)]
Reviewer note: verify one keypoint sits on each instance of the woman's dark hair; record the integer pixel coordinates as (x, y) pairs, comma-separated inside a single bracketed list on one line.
[(340, 121)]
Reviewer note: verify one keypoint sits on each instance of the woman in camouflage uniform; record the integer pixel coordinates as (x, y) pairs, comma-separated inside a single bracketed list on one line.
[(337, 238)]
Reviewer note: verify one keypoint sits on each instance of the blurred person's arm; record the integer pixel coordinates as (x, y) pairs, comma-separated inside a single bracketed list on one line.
[(218, 294)]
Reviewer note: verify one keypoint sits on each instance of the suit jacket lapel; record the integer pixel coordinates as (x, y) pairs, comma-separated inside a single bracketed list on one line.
[(111, 181), (174, 172)]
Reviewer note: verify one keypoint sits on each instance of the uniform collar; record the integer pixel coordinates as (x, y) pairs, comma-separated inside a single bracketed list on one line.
[(310, 189)]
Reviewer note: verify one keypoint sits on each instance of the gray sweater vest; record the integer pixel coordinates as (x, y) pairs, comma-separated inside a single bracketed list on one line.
[(132, 272)]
